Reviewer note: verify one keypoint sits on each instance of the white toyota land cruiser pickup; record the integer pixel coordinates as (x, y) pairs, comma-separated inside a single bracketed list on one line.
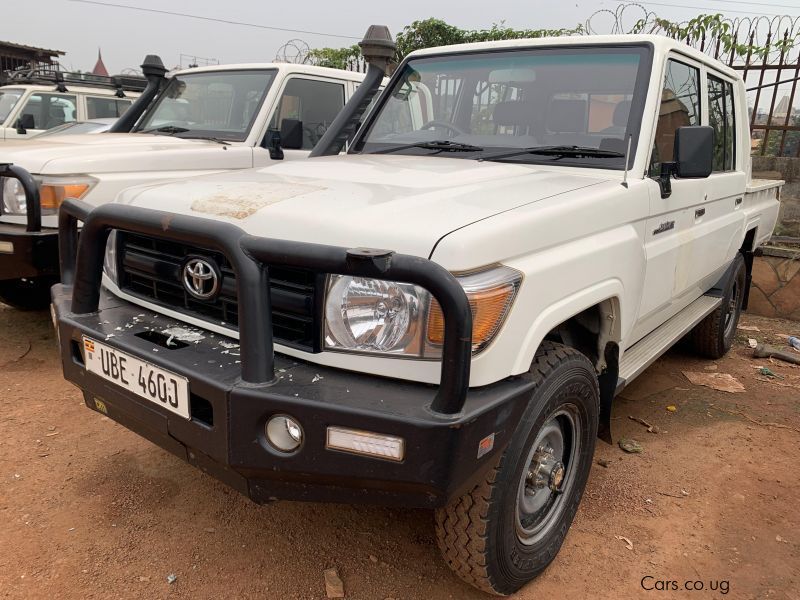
[(442, 316), (196, 121)]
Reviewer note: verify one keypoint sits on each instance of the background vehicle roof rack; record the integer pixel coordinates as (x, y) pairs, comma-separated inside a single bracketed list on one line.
[(63, 79)]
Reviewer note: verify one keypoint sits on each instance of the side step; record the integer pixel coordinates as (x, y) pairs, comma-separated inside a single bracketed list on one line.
[(645, 352)]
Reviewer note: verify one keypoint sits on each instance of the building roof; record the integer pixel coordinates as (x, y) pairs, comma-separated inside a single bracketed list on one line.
[(32, 49), (99, 66)]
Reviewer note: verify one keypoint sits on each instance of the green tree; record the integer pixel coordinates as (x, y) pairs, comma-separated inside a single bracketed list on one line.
[(428, 33), (335, 58)]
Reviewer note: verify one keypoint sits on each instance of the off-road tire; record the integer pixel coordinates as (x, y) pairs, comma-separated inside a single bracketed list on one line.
[(713, 336), (27, 294), (477, 533)]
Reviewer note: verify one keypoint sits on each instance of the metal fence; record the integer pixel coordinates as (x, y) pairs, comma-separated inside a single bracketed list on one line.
[(770, 77)]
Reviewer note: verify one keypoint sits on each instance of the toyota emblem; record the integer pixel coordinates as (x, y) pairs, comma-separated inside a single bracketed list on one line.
[(200, 278)]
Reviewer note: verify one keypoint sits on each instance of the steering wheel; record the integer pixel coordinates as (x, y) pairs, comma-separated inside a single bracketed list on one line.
[(445, 125)]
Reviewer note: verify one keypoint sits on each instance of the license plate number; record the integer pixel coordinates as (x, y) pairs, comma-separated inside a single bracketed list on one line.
[(147, 381)]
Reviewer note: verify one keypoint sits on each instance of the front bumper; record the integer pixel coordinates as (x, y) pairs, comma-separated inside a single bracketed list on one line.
[(31, 253), (225, 436)]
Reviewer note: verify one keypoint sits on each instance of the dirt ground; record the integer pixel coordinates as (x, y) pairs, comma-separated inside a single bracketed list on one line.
[(90, 510)]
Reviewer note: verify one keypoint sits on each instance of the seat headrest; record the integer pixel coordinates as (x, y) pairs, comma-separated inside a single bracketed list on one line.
[(513, 114), (621, 112), (567, 116)]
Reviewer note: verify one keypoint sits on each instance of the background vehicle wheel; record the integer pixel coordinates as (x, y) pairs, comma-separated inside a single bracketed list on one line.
[(510, 527), (27, 294), (713, 336)]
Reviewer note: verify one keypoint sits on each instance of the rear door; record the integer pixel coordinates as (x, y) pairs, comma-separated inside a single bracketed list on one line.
[(717, 233)]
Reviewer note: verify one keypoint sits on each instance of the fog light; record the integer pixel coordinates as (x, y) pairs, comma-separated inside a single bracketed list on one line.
[(7, 247), (365, 443), (284, 433)]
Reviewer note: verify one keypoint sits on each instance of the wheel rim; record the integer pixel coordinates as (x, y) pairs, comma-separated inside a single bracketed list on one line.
[(549, 475), (733, 308)]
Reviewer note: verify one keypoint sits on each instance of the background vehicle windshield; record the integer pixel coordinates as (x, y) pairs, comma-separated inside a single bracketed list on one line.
[(8, 99), (212, 104), (572, 96)]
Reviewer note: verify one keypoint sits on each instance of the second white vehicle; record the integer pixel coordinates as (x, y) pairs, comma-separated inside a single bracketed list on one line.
[(202, 120)]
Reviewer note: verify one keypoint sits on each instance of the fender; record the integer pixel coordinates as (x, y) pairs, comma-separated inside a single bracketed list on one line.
[(566, 308)]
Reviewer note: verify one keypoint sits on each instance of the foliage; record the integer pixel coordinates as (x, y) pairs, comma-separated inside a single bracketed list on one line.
[(335, 58), (713, 27), (435, 32)]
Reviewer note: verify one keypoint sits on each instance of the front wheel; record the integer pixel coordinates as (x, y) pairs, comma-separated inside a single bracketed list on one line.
[(510, 527), (27, 294)]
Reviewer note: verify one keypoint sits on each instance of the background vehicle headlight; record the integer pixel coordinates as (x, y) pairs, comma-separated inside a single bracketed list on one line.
[(110, 259), (14, 202), (390, 318), (52, 193)]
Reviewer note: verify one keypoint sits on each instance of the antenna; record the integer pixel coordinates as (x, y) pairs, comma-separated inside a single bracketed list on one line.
[(627, 158)]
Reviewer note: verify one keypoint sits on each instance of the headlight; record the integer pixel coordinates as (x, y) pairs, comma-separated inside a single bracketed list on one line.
[(14, 202), (52, 193), (110, 259), (371, 316)]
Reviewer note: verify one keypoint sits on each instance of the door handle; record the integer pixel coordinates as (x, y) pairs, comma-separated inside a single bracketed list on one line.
[(699, 213), (738, 201)]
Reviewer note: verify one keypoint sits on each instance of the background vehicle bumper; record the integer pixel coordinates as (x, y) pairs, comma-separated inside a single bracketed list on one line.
[(34, 253), (225, 436)]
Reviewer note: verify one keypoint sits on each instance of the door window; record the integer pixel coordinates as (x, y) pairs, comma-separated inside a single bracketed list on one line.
[(99, 107), (680, 106), (49, 110), (314, 103), (721, 118)]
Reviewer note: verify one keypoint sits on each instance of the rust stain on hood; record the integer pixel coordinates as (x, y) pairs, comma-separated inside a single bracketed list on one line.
[(239, 201)]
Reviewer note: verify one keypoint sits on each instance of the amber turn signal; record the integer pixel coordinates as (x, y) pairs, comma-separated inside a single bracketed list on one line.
[(52, 195), (489, 305)]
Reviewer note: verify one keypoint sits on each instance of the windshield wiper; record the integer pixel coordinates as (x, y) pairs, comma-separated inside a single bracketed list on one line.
[(557, 151), (207, 137), (170, 129), (440, 145)]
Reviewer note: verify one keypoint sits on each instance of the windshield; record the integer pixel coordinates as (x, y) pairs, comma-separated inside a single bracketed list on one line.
[(219, 104), (8, 99), (474, 106)]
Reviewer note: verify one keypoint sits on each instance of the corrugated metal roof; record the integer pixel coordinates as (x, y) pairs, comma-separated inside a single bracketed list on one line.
[(31, 49)]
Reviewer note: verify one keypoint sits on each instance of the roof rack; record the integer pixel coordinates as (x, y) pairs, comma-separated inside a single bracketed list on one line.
[(41, 76)]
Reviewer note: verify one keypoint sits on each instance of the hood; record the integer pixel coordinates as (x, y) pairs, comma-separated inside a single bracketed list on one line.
[(121, 152), (401, 203)]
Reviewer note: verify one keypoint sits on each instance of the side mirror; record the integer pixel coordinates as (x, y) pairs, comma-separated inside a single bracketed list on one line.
[(24, 123), (694, 152), (291, 134), (272, 142)]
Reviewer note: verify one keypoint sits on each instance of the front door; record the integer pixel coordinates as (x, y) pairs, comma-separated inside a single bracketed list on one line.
[(672, 255), (312, 104)]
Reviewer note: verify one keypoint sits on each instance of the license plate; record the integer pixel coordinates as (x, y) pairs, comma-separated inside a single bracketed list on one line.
[(147, 381)]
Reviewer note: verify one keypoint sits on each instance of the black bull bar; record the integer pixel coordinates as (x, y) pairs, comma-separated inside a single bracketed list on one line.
[(82, 255), (33, 204)]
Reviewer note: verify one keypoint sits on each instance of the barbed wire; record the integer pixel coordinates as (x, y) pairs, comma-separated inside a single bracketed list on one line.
[(760, 31), (294, 51)]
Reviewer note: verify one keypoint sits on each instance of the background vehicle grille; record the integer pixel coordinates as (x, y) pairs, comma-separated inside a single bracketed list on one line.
[(151, 269)]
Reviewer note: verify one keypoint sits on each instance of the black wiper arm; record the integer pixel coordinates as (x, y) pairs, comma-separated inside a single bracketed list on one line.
[(440, 145), (170, 129), (207, 137), (559, 151)]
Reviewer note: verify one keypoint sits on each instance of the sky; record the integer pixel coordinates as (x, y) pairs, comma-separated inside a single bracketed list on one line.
[(125, 36)]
